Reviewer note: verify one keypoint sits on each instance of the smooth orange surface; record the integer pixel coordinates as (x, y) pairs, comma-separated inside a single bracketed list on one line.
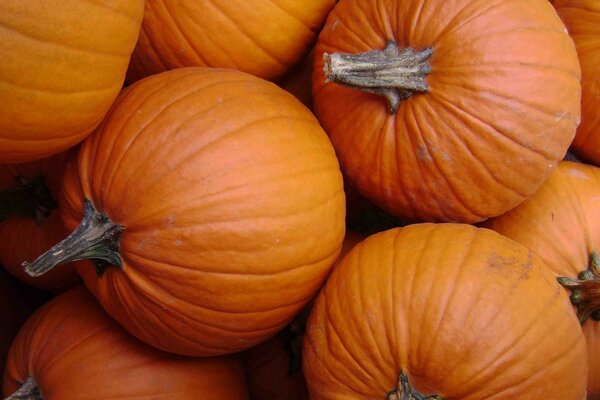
[(503, 105), (232, 202), (262, 37), (561, 224), (63, 64), (464, 312), (75, 351), (22, 239), (582, 18)]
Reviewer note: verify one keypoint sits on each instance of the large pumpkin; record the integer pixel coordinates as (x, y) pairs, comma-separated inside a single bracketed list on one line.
[(450, 309), (464, 110), (229, 198), (30, 221), (63, 64), (17, 302), (561, 223), (582, 18), (70, 349), (262, 37)]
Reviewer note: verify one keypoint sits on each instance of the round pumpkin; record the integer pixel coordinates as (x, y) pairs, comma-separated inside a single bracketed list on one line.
[(70, 349), (30, 221), (218, 199), (262, 37), (63, 65), (561, 224), (444, 310), (17, 303), (455, 115), (582, 18)]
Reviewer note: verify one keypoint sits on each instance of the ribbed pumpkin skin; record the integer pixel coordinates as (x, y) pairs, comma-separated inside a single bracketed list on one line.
[(75, 351), (561, 223), (464, 312), (232, 202), (63, 65), (22, 239), (503, 105), (582, 18), (262, 37)]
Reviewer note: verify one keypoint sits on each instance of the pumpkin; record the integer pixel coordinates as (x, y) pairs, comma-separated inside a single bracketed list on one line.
[(443, 310), (297, 82), (30, 221), (70, 349), (262, 37), (17, 302), (218, 200), (451, 115), (582, 18), (274, 368), (561, 224), (63, 65)]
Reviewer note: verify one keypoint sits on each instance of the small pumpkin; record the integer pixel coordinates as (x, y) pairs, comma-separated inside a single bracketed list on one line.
[(70, 349), (443, 310), (582, 18), (561, 224), (30, 221), (63, 65), (262, 37), (455, 116), (217, 199), (17, 303)]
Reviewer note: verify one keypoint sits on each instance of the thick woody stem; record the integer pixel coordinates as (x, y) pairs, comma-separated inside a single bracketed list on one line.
[(29, 198), (29, 390), (96, 238), (586, 290), (393, 73), (404, 391)]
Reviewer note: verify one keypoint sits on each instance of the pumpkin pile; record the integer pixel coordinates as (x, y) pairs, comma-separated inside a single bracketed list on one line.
[(284, 199)]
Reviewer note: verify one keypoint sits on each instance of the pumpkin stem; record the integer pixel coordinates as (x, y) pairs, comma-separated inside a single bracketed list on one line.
[(29, 390), (95, 238), (586, 290), (404, 391), (393, 73), (29, 198)]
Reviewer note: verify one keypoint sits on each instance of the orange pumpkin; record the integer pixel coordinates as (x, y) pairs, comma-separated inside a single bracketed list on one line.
[(450, 309), (70, 349), (274, 368), (262, 37), (63, 65), (561, 223), (30, 221), (218, 196), (17, 302), (582, 18), (461, 113)]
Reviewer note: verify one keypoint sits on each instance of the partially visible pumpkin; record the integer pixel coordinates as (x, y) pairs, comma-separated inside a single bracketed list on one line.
[(582, 18), (30, 220), (17, 303), (561, 224), (450, 309), (63, 64), (462, 112), (298, 81), (220, 202), (70, 349), (263, 37)]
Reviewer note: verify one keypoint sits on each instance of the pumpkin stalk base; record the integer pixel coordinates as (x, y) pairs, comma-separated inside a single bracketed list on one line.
[(393, 73), (586, 290), (96, 238), (404, 391), (29, 390), (30, 198)]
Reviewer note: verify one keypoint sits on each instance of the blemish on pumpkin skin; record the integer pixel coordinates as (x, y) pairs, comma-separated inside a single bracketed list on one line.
[(511, 264)]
